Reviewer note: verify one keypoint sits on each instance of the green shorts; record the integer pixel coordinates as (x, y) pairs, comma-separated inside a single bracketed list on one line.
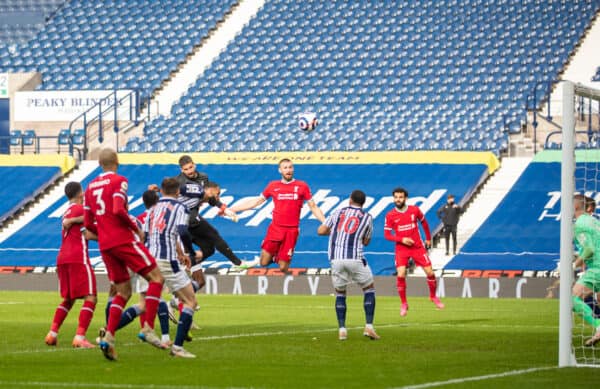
[(590, 279)]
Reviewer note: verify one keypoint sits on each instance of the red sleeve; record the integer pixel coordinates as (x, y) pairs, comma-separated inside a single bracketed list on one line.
[(88, 216), (120, 205), (307, 193), (266, 193), (424, 224)]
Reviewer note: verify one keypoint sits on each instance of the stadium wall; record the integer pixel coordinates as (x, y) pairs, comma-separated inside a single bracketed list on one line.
[(428, 177)]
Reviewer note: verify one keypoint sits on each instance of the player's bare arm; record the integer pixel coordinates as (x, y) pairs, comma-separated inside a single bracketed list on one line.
[(68, 222), (249, 204), (323, 230), (316, 211), (89, 235)]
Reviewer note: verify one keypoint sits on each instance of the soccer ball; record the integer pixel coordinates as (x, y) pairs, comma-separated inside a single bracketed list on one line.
[(307, 121)]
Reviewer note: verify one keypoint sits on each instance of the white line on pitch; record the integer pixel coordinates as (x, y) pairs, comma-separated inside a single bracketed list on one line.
[(11, 302), (479, 378)]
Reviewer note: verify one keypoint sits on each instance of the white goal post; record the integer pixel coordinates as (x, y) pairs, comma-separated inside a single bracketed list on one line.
[(567, 356)]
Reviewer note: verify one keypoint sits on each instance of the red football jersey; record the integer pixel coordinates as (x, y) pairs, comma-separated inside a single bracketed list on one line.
[(73, 248), (105, 202), (288, 199), (404, 225)]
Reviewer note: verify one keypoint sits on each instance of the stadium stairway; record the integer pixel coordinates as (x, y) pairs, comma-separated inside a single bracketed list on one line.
[(480, 207), (82, 171)]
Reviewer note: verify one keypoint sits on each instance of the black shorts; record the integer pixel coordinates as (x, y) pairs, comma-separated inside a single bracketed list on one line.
[(204, 236)]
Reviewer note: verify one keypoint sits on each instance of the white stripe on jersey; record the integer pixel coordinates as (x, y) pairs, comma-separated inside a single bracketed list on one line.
[(161, 226), (349, 227)]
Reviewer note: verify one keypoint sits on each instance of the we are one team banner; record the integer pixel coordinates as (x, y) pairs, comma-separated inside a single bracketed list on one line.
[(428, 177)]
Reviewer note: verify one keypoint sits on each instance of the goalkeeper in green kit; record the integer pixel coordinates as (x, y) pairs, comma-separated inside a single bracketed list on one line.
[(587, 237)]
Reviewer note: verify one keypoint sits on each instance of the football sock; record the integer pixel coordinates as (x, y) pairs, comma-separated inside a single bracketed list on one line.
[(114, 317), (107, 309), (152, 300), (224, 249), (185, 322), (60, 314), (401, 286), (165, 338), (432, 284), (163, 317), (85, 317), (142, 319), (369, 304), (340, 309), (129, 315), (586, 313)]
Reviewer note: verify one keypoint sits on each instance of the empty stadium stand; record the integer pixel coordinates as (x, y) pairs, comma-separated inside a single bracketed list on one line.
[(391, 75), (20, 20), (112, 44), (20, 185)]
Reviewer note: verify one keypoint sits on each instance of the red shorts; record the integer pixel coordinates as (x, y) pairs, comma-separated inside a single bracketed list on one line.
[(134, 256), (76, 280), (280, 242), (418, 255)]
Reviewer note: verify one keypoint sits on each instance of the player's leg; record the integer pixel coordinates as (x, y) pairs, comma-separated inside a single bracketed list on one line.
[(163, 320), (85, 318), (207, 249), (401, 262), (585, 287), (205, 230), (286, 248), (62, 310), (422, 259), (340, 279), (181, 286), (84, 286), (111, 294), (118, 274), (363, 276)]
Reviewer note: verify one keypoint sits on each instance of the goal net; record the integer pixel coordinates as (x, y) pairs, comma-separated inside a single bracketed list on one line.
[(580, 180)]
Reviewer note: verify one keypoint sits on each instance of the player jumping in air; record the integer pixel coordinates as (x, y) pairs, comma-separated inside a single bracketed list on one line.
[(402, 220), (349, 230), (204, 235), (105, 214), (75, 272), (587, 237), (288, 196)]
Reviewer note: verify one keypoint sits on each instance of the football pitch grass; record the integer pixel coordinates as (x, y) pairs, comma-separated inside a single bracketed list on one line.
[(291, 341)]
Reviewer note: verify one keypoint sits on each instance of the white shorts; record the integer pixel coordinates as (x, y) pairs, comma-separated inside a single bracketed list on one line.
[(174, 281), (347, 271)]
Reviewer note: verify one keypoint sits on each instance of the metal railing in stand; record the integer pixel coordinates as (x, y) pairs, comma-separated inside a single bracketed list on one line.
[(534, 107), (98, 113)]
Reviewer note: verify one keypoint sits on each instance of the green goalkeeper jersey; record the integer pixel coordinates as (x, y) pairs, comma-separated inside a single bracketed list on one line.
[(587, 236)]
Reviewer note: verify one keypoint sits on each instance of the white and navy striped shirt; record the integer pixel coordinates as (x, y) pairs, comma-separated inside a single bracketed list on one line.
[(162, 229), (349, 227)]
